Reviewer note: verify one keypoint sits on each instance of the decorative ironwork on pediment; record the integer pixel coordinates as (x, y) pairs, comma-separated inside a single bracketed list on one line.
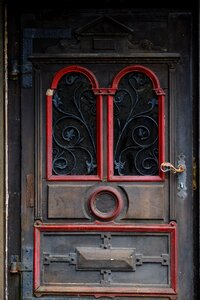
[(103, 34), (104, 26)]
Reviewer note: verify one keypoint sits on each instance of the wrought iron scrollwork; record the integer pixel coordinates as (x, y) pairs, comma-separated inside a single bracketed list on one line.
[(74, 126), (135, 126)]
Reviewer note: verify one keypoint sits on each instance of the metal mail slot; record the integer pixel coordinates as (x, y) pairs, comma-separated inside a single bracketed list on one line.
[(93, 258)]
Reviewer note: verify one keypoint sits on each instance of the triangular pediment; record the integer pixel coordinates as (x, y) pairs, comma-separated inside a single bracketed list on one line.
[(104, 26)]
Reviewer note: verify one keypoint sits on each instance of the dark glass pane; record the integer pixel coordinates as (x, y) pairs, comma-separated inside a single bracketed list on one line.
[(135, 126), (74, 126)]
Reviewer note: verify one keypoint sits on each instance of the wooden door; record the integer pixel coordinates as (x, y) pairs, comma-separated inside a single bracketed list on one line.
[(105, 101)]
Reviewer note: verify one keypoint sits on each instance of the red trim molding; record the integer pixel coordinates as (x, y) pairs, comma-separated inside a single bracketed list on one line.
[(113, 213), (109, 291), (161, 140), (49, 99)]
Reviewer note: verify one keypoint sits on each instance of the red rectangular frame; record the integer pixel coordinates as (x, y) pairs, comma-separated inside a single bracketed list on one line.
[(161, 139), (106, 291), (49, 146)]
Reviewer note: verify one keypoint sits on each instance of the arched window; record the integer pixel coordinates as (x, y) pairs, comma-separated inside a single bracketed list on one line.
[(73, 126), (136, 131)]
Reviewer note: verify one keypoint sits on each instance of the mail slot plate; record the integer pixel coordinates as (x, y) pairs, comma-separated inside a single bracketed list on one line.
[(93, 258)]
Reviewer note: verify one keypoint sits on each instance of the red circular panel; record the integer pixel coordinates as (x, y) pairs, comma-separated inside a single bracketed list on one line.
[(105, 203)]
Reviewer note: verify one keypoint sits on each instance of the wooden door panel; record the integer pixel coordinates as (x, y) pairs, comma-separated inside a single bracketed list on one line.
[(145, 201), (139, 202), (67, 201)]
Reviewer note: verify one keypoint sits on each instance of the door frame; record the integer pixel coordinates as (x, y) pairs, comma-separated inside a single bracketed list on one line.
[(12, 158)]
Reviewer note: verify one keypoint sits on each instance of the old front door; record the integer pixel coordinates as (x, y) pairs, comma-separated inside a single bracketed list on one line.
[(106, 154)]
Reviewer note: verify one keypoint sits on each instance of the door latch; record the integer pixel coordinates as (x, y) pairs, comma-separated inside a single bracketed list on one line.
[(167, 166), (180, 171)]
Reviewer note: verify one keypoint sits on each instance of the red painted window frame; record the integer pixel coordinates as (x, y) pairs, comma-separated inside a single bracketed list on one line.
[(95, 87), (160, 93), (170, 229), (49, 99)]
